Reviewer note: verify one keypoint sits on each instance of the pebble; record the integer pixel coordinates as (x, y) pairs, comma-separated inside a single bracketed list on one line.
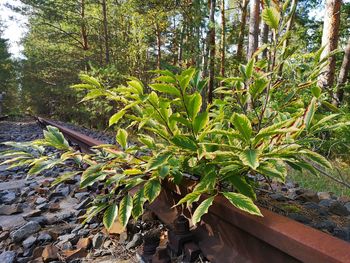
[(25, 231), (97, 240), (338, 209), (28, 242), (8, 257), (135, 242), (44, 237)]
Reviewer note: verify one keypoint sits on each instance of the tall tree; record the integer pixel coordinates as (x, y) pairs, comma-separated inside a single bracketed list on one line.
[(253, 40), (223, 39), (240, 42), (105, 30), (330, 36), (211, 50), (343, 75)]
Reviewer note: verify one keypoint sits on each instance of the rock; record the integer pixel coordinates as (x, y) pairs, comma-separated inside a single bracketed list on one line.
[(70, 255), (54, 207), (123, 237), (40, 200), (8, 198), (43, 207), (32, 213), (338, 209), (343, 233), (305, 195), (28, 242), (25, 231), (278, 197), (37, 252), (50, 253), (10, 209), (344, 199), (326, 202), (300, 218), (135, 242), (68, 237), (65, 245), (324, 195), (83, 204), (83, 232), (8, 257), (347, 206), (97, 240), (77, 228), (41, 220), (4, 235), (44, 237), (81, 196), (84, 243), (327, 225)]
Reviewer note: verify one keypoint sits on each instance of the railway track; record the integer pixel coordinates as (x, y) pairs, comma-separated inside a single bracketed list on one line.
[(228, 235)]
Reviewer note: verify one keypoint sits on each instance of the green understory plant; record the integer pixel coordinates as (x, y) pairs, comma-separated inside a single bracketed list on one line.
[(259, 125)]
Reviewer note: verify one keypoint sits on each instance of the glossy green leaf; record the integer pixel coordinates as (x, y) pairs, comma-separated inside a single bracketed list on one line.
[(250, 158), (184, 142), (201, 210), (122, 138), (165, 88), (309, 113), (200, 121), (138, 201), (271, 17), (243, 125), (243, 203), (110, 215), (125, 209), (116, 117), (152, 189)]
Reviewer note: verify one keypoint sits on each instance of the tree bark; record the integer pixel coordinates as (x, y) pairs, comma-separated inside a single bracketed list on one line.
[(244, 11), (211, 51), (105, 30), (84, 36), (253, 28), (343, 75), (223, 39), (330, 38), (159, 44), (265, 39)]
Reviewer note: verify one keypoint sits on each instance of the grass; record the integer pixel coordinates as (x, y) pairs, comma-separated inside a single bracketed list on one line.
[(322, 183)]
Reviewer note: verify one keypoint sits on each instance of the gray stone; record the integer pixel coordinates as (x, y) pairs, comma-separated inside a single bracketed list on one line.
[(8, 198), (135, 242), (338, 209), (81, 196), (83, 232), (97, 240), (328, 225), (300, 218), (40, 201), (77, 228), (278, 197), (10, 209), (68, 237), (42, 220), (44, 237), (347, 206), (25, 231), (43, 207), (83, 204), (326, 202), (8, 257), (28, 242), (343, 233)]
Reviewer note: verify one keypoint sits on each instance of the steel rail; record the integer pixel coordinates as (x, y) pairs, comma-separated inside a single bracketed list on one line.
[(227, 234)]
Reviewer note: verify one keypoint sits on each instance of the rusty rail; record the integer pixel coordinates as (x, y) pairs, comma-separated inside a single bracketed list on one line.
[(227, 234)]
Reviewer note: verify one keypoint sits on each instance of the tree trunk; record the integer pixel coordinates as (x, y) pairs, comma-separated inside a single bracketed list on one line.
[(265, 39), (83, 26), (159, 44), (330, 38), (105, 30), (343, 75), (181, 42), (253, 28), (244, 11), (211, 51), (223, 38)]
